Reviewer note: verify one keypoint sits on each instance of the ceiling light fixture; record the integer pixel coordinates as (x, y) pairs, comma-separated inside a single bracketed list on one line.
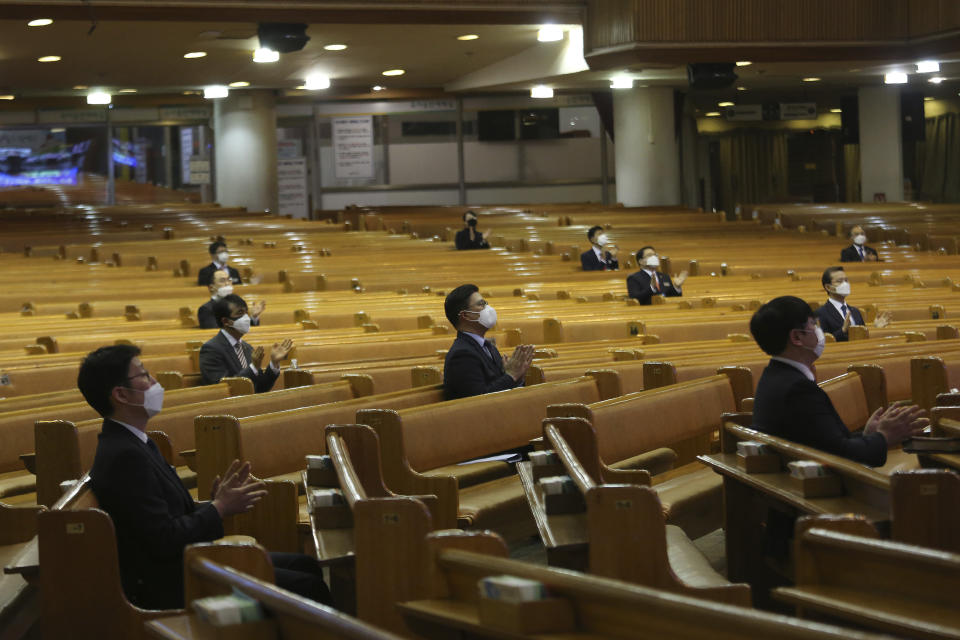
[(621, 82), (195, 54), (393, 72), (239, 83), (215, 91), (49, 59), (6, 97), (929, 99), (811, 79), (58, 130), (40, 22), (379, 88), (335, 47), (743, 63), (895, 77), (928, 66), (712, 114), (127, 91), (549, 33), (80, 87), (468, 36), (741, 88), (263, 54), (98, 97), (541, 91), (726, 103), (936, 79), (317, 81), (836, 110)]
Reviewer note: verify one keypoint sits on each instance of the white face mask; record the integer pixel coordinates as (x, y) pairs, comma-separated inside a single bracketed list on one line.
[(821, 342), (842, 289), (152, 400), (487, 317), (223, 292), (602, 239), (859, 239), (222, 257), (242, 324), (653, 262)]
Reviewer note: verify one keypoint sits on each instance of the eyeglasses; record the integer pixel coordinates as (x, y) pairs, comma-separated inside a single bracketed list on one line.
[(145, 374)]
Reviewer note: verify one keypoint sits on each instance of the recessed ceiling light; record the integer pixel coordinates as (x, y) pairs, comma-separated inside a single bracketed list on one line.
[(195, 54), (335, 47), (58, 130), (549, 33), (812, 79), (127, 91), (301, 87), (191, 92), (239, 83), (743, 63), (6, 97), (541, 91), (928, 66), (929, 99), (98, 97), (40, 22), (379, 88), (712, 114), (468, 36), (836, 110), (80, 87), (895, 77), (936, 79), (393, 72), (49, 59), (741, 88), (262, 54), (215, 91), (621, 82), (726, 103), (317, 81)]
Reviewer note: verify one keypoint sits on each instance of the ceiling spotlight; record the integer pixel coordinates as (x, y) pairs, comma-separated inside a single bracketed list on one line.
[(541, 91), (936, 79), (7, 97), (621, 82), (726, 103), (741, 88), (335, 47), (98, 97), (190, 92), (743, 63), (549, 33), (195, 54), (895, 77), (239, 83), (811, 79), (49, 59), (301, 87), (265, 55), (80, 87), (40, 22), (712, 114), (379, 88), (215, 91), (469, 36), (928, 66), (58, 130), (317, 81), (127, 91), (836, 110), (929, 99), (393, 72)]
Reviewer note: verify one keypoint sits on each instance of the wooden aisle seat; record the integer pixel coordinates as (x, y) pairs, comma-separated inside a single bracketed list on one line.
[(450, 602), (290, 617), (423, 446), (18, 599), (923, 508), (931, 376), (384, 377), (626, 533), (64, 450), (886, 586)]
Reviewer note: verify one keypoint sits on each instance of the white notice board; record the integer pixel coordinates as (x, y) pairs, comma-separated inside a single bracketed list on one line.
[(353, 147), (292, 188)]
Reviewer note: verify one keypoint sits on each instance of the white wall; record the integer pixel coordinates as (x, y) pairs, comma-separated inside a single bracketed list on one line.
[(520, 195), (387, 198)]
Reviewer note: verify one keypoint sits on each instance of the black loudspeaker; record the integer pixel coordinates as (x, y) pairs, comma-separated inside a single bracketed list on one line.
[(850, 120), (912, 125), (711, 75), (282, 37)]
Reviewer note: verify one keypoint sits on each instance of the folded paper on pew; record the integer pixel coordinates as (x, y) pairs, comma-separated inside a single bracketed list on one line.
[(326, 498), (221, 611), (320, 472), (555, 485), (543, 458), (751, 448), (806, 469), (512, 589)]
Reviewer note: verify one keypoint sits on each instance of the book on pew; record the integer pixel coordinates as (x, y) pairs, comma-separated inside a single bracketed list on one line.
[(930, 444)]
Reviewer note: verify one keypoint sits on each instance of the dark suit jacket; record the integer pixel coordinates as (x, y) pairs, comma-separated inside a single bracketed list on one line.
[(207, 320), (638, 286), (153, 515), (832, 322), (205, 275), (470, 371), (462, 240), (590, 262), (850, 254), (790, 406), (218, 360)]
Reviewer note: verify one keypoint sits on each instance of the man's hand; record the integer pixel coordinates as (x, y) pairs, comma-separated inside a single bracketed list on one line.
[(612, 250), (256, 357), (237, 492), (257, 309), (882, 320), (517, 364), (846, 322), (896, 422), (280, 350), (680, 278), (486, 234)]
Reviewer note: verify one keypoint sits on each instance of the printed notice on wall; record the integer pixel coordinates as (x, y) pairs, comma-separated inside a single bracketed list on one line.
[(292, 187), (353, 147)]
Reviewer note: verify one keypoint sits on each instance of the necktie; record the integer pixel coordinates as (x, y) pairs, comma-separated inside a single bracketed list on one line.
[(656, 282), (843, 310), (488, 347), (860, 249), (243, 359), (152, 446)]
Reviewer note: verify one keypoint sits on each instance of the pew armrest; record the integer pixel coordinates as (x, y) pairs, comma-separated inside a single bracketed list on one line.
[(655, 462), (18, 523), (29, 461), (190, 457)]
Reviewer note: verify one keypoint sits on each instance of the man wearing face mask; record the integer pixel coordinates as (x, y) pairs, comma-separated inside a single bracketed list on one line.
[(469, 237), (220, 287), (219, 257), (789, 404), (649, 281), (836, 316), (597, 258), (227, 355), (473, 365), (858, 251)]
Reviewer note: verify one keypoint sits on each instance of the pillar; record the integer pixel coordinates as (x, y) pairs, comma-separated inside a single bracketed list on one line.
[(645, 146), (245, 144), (881, 145)]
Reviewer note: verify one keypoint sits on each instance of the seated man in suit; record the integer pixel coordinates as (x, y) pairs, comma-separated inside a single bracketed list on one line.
[(227, 355), (835, 315), (596, 258), (218, 260), (473, 365), (469, 237), (220, 286), (858, 251), (153, 514), (789, 404), (649, 281)]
